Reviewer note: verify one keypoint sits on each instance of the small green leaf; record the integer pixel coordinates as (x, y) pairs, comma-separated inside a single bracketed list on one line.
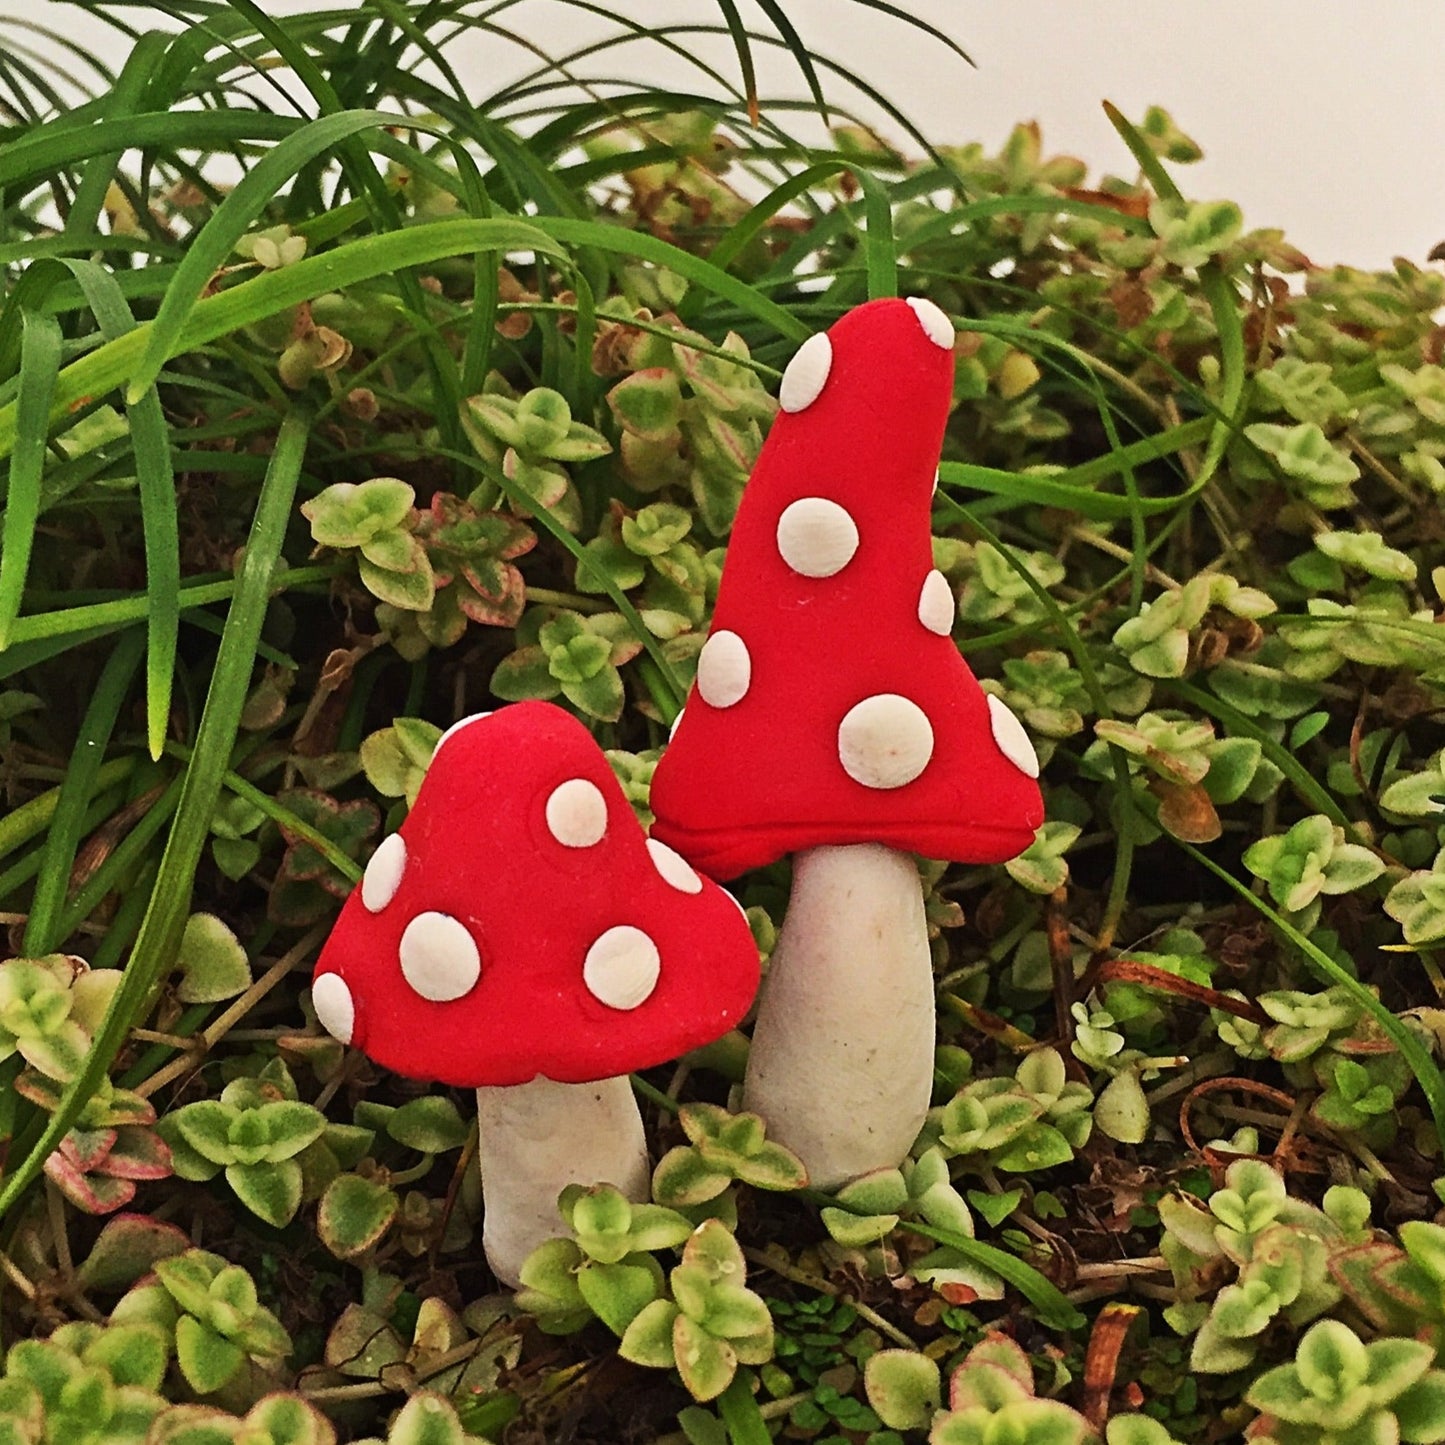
[(995, 1208), (128, 1247), (617, 1293), (212, 961), (427, 1419), (272, 1190), (411, 591), (206, 1360), (904, 1387), (354, 1214), (135, 1355), (707, 1365), (648, 404), (857, 1231), (288, 1126), (431, 1124), (682, 1178), (347, 514), (648, 1339), (206, 1127), (1039, 1146), (1121, 1110), (1305, 453)]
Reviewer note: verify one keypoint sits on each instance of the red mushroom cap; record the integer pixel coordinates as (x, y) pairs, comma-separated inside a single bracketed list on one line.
[(519, 923), (831, 704)]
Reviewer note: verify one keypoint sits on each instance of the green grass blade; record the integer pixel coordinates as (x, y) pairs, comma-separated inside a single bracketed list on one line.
[(160, 528), (798, 48), (879, 249), (22, 656), (85, 619), (910, 18), (127, 97), (40, 351), (78, 244), (76, 792), (366, 180), (38, 158), (835, 222), (165, 916), (64, 42), (104, 803), (743, 47), (1138, 531)]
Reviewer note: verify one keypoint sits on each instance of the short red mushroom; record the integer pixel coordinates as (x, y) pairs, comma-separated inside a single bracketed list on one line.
[(521, 936), (834, 717)]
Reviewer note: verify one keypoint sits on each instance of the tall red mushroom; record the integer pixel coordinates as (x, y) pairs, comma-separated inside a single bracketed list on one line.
[(833, 717), (519, 935)]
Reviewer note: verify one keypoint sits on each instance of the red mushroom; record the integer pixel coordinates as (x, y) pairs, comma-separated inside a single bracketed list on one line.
[(520, 936), (833, 716)]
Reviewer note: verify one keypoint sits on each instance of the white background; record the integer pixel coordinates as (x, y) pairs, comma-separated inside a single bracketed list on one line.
[(1325, 117)]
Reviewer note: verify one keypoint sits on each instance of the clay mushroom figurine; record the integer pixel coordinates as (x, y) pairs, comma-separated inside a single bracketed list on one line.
[(834, 718), (519, 935)]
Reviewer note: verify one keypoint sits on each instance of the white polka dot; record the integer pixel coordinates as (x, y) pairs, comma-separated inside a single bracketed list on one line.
[(621, 968), (577, 813), (885, 741), (383, 874), (676, 723), (335, 1011), (456, 727), (1013, 742), (724, 669), (439, 957), (937, 478), (935, 604), (816, 537), (936, 326), (806, 373), (673, 868)]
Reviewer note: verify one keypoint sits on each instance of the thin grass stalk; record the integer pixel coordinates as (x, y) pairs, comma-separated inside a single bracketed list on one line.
[(40, 352)]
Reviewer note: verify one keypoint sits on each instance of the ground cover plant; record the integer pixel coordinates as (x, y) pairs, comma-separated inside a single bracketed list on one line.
[(337, 405)]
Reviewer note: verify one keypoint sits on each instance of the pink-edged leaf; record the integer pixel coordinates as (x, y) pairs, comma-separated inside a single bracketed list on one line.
[(87, 1149), (127, 1108), (127, 1248), (35, 1087), (497, 594), (91, 1193), (138, 1153)]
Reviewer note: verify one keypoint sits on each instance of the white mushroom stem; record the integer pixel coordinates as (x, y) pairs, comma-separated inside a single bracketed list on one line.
[(841, 1065), (537, 1138)]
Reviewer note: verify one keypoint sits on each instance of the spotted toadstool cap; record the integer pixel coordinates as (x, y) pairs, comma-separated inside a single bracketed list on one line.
[(831, 704), (519, 923)]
